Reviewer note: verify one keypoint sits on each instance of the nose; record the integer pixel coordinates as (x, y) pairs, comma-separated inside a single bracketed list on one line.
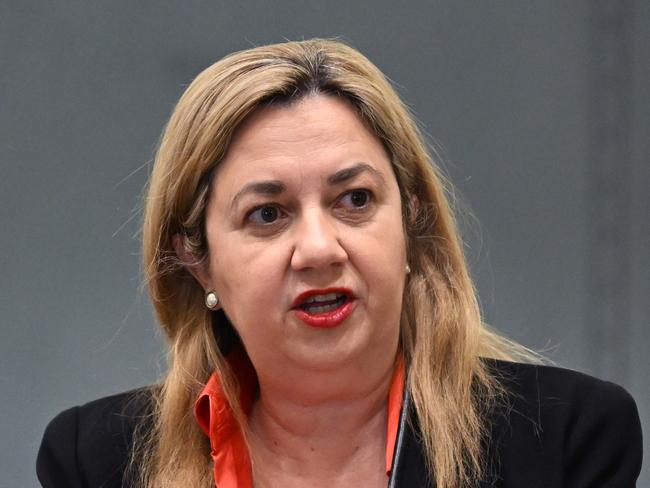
[(317, 242)]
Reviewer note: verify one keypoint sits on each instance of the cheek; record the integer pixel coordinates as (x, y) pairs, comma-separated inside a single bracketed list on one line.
[(385, 277), (247, 279), (391, 271), (380, 258)]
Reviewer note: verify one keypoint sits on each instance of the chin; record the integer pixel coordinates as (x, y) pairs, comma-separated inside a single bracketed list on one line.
[(332, 353)]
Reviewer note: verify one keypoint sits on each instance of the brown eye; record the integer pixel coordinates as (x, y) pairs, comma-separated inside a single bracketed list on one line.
[(357, 199), (265, 215), (269, 214)]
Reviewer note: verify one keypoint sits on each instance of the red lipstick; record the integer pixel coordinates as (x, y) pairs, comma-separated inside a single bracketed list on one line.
[(307, 311)]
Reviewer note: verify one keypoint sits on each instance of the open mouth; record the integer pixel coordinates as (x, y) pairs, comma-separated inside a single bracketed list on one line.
[(326, 308), (318, 304)]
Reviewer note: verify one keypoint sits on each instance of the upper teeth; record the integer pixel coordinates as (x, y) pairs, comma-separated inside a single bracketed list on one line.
[(322, 298)]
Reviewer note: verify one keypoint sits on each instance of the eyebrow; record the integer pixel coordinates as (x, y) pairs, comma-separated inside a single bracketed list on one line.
[(270, 187), (346, 174), (276, 187)]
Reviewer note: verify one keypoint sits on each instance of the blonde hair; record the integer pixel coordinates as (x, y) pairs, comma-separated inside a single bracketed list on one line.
[(442, 335)]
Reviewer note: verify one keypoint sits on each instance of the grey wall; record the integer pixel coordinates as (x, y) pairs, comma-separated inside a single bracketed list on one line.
[(539, 109)]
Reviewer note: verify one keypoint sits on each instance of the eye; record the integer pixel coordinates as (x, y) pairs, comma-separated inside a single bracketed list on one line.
[(264, 215), (357, 199)]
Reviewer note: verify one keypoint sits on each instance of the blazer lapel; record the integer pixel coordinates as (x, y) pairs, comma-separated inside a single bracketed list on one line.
[(409, 466)]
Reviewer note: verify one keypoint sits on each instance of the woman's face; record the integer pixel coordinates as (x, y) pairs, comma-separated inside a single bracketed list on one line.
[(306, 206)]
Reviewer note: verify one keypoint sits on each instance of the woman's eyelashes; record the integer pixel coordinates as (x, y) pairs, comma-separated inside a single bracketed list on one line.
[(264, 215), (354, 202)]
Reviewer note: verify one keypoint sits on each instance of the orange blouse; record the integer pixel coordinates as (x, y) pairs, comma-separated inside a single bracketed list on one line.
[(232, 465)]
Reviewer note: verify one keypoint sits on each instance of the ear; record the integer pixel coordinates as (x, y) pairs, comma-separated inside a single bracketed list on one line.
[(198, 270)]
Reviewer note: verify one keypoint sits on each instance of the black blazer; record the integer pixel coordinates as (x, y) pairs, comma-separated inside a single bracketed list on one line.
[(561, 429)]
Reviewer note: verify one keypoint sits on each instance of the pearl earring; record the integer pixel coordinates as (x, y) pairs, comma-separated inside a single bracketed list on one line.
[(211, 300), (408, 269)]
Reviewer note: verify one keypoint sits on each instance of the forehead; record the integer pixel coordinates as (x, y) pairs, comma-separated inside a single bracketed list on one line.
[(315, 135)]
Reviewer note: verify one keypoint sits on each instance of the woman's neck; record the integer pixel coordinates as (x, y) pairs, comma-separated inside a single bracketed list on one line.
[(324, 431)]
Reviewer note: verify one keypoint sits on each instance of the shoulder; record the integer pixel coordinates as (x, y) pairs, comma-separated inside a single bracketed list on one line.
[(550, 394), (526, 378), (89, 445), (589, 429)]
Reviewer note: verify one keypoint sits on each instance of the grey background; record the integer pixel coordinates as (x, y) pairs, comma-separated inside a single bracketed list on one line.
[(539, 110)]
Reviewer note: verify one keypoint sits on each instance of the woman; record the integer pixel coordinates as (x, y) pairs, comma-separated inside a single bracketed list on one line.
[(304, 264)]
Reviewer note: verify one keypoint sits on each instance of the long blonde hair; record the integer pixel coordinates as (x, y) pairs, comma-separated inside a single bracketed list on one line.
[(442, 335)]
